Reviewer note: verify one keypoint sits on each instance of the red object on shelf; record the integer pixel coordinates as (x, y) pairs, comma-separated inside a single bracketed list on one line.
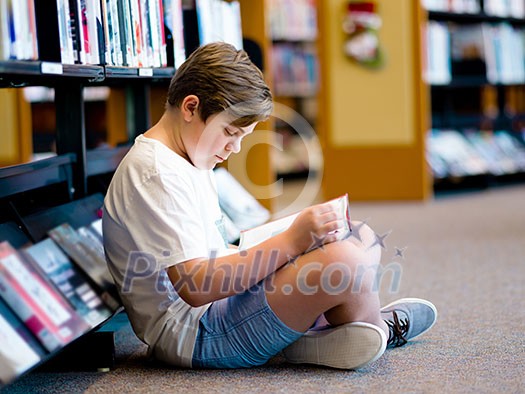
[(361, 7)]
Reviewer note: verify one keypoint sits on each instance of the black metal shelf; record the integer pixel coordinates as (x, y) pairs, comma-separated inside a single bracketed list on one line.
[(156, 73), (16, 73), (19, 73), (29, 176), (472, 18), (102, 161), (69, 82), (472, 82)]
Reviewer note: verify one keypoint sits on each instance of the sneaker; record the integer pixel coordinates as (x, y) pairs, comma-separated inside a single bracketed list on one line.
[(348, 346), (407, 319)]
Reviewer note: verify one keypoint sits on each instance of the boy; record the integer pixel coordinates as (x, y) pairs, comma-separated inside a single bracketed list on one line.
[(199, 303)]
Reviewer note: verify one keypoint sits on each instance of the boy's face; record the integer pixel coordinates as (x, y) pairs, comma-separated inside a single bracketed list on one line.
[(213, 142)]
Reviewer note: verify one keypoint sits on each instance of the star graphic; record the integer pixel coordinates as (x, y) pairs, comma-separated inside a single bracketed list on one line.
[(318, 242), (357, 228), (292, 259), (399, 252), (380, 239)]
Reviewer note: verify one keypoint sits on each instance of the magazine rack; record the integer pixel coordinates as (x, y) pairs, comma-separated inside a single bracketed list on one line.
[(48, 185)]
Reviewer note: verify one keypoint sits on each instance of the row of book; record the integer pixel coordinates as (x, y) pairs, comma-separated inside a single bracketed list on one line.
[(453, 154), (17, 30), (295, 70), (219, 20), (51, 292), (293, 20), (457, 6), (500, 8), (132, 33), (499, 48)]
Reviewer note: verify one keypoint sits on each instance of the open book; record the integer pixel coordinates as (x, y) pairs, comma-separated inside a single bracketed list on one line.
[(261, 233)]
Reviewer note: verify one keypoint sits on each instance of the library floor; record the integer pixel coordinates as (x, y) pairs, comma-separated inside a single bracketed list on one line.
[(464, 252)]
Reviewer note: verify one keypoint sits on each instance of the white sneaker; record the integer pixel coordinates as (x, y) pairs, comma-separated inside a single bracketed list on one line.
[(348, 346)]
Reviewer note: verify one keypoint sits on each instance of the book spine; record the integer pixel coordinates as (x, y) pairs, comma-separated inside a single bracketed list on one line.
[(154, 31), (179, 50), (124, 43), (75, 30), (162, 35), (66, 33), (146, 32), (16, 48), (32, 30), (115, 22), (79, 22), (84, 28), (136, 32), (5, 39), (107, 33), (11, 29), (91, 21)]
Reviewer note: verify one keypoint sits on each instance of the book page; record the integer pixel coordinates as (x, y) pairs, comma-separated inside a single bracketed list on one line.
[(261, 233)]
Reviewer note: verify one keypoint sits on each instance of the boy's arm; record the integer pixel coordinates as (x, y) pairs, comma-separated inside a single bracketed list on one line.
[(200, 281)]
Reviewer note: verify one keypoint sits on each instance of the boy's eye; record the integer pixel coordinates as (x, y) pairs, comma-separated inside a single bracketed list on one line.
[(228, 132)]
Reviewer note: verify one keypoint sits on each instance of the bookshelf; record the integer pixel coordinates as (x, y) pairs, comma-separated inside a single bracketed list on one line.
[(37, 196), (476, 77), (293, 32)]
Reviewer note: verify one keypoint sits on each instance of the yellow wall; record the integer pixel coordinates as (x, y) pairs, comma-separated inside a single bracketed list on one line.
[(373, 121)]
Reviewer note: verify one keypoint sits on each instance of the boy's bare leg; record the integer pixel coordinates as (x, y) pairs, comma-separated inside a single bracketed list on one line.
[(336, 280)]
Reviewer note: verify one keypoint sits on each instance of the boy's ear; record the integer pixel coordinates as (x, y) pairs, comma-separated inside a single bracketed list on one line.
[(189, 107)]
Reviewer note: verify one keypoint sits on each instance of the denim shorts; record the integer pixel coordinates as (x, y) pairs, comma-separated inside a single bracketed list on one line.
[(240, 331)]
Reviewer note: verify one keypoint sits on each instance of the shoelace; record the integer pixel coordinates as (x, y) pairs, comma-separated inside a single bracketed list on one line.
[(398, 330)]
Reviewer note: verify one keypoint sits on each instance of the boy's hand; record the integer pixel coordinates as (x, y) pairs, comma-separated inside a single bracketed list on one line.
[(315, 225)]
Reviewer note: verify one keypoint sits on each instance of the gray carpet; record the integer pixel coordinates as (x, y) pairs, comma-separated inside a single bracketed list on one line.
[(465, 253)]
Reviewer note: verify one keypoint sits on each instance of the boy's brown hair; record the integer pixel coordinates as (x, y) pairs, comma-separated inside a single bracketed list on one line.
[(224, 79)]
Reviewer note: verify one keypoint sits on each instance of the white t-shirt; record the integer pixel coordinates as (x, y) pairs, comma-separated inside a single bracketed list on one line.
[(160, 211)]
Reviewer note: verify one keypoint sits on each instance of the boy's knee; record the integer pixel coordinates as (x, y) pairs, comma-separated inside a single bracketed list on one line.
[(351, 263), (366, 239), (363, 234)]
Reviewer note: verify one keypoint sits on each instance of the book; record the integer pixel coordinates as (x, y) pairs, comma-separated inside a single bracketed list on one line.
[(173, 21), (43, 310), (84, 249), (15, 355), (20, 350), (56, 266), (96, 228), (455, 153), (256, 235)]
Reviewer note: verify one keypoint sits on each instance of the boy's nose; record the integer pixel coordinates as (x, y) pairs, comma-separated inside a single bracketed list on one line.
[(234, 147)]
